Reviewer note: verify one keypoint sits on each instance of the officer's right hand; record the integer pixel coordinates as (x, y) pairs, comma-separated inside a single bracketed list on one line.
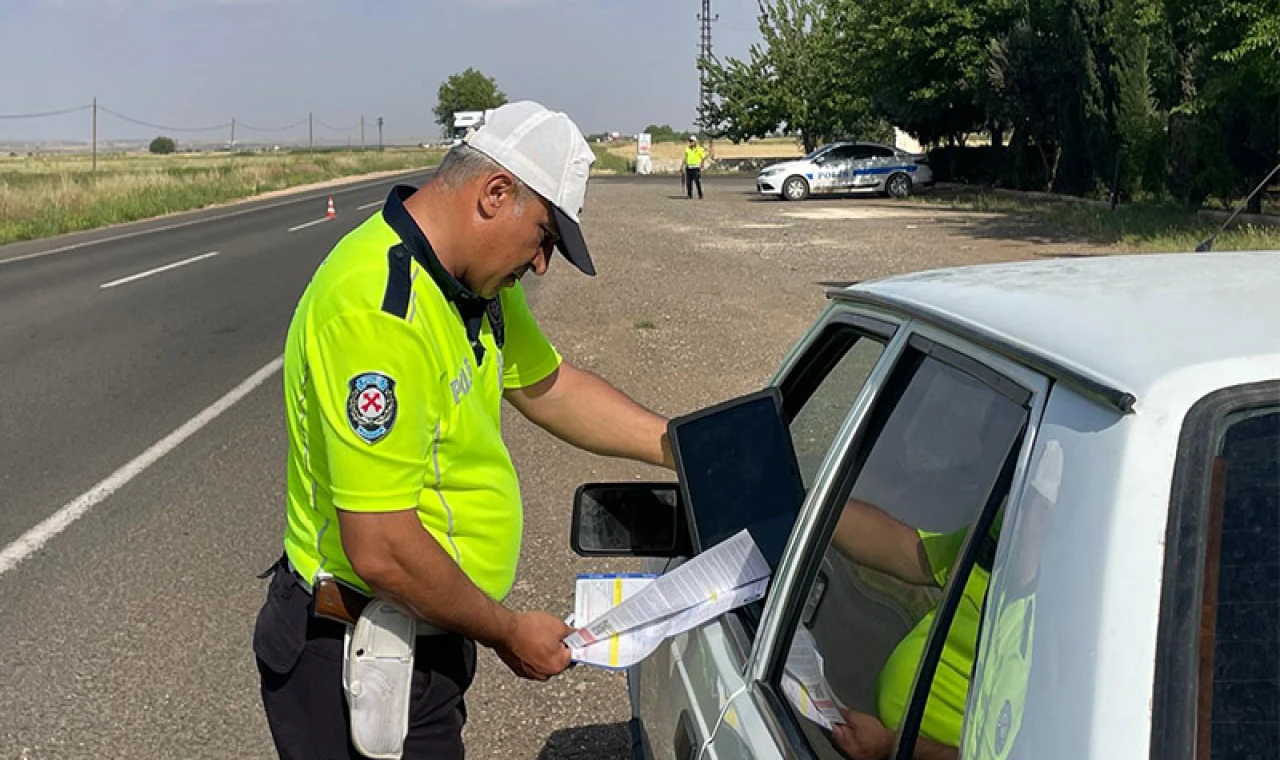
[(534, 649)]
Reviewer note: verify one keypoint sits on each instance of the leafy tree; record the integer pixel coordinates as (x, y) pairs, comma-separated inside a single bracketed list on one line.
[(469, 91), (923, 62), (162, 146), (1225, 128), (664, 133), (795, 79)]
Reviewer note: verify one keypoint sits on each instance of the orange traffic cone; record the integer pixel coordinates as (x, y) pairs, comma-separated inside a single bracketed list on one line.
[(331, 213)]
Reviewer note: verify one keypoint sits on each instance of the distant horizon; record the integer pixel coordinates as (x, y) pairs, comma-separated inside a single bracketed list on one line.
[(266, 63)]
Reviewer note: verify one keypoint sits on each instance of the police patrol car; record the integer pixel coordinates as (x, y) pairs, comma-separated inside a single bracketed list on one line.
[(847, 167)]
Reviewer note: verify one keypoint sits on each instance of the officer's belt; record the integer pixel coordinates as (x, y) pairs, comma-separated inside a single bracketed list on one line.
[(336, 600)]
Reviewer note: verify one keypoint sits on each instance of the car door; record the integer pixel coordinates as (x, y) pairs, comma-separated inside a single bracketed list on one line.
[(871, 166), (936, 443), (834, 170), (684, 689)]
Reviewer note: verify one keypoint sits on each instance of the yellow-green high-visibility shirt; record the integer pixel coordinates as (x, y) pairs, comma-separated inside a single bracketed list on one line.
[(393, 380), (944, 710), (693, 157)]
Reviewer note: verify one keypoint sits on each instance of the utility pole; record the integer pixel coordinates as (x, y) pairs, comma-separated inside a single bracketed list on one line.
[(361, 131), (232, 147), (379, 133), (705, 19), (311, 132), (95, 134)]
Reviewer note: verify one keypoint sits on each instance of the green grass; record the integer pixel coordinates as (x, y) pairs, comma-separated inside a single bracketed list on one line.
[(43, 196), (645, 324), (1142, 226), (607, 162)]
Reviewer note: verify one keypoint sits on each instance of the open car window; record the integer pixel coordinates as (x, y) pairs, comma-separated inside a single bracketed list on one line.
[(816, 395), (938, 453)]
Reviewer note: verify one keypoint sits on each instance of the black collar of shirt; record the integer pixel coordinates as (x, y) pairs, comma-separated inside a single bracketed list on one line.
[(471, 306)]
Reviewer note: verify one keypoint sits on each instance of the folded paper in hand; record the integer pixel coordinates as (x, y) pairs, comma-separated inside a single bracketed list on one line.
[(624, 617)]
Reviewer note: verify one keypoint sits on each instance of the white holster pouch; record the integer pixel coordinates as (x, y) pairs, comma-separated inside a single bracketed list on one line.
[(377, 674)]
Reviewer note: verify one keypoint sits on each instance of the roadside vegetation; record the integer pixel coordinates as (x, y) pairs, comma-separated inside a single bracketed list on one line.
[(1171, 99), (41, 196), (608, 162), (1145, 226)]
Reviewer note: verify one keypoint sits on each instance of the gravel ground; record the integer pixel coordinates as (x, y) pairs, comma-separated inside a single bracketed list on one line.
[(695, 302)]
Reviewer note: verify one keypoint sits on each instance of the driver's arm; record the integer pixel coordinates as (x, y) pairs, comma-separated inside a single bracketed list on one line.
[(869, 536), (863, 737)]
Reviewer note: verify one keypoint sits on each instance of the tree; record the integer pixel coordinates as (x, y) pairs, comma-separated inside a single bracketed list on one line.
[(664, 133), (922, 62), (1225, 125), (794, 80), (162, 146), (469, 91)]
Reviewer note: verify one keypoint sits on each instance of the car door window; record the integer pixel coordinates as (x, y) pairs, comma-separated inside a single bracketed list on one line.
[(817, 394), (938, 454), (836, 370)]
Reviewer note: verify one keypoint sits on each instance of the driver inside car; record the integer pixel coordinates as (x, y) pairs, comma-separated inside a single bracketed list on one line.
[(870, 537)]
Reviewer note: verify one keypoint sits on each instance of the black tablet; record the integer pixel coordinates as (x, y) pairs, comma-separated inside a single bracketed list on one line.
[(737, 469)]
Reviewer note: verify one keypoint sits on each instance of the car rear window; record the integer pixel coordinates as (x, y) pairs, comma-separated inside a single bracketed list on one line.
[(1244, 701)]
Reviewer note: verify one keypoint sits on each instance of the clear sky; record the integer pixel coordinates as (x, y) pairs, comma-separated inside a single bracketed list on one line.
[(611, 64)]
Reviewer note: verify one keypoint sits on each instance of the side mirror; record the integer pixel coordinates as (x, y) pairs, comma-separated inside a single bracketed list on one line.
[(629, 520)]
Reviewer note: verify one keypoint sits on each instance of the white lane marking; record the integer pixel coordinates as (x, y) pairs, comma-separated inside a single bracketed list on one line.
[(158, 270), (180, 225), (308, 224), (369, 205), (30, 542)]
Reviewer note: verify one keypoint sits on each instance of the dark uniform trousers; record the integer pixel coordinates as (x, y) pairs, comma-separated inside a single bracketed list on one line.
[(693, 174), (300, 666)]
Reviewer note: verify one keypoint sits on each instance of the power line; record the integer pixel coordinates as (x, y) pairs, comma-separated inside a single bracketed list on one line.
[(294, 125), (139, 122), (351, 128), (85, 107)]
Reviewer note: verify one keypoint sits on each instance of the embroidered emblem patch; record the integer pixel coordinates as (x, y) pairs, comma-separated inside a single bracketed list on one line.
[(371, 405)]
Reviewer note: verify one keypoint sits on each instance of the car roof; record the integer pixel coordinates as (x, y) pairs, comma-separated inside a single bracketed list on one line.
[(838, 143), (1127, 321)]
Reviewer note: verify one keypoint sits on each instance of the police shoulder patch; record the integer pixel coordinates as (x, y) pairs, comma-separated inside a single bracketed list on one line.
[(371, 405)]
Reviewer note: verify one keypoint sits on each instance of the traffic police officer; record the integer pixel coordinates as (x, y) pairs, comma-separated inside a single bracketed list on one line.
[(400, 487), (694, 157)]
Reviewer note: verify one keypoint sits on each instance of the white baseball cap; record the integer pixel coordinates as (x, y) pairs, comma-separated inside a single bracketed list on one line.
[(545, 150)]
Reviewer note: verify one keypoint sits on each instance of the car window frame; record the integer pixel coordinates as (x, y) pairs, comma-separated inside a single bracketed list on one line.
[(839, 153), (874, 324), (1176, 687), (803, 556), (799, 375), (802, 378)]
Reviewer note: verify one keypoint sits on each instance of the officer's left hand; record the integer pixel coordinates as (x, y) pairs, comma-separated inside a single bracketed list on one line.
[(535, 649), (862, 737)]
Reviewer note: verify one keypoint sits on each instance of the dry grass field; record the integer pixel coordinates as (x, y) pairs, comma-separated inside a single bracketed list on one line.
[(48, 195)]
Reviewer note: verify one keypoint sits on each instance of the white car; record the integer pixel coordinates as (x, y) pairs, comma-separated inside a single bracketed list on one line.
[(1076, 554), (847, 167)]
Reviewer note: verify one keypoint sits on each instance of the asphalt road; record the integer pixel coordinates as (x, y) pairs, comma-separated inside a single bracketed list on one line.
[(128, 630), (128, 556)]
